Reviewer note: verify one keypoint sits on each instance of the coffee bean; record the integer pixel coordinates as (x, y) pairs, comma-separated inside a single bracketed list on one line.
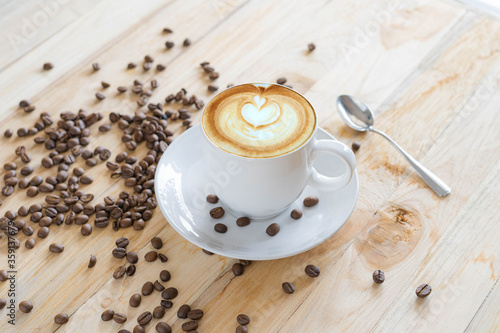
[(26, 171), (3, 275), (423, 290), (355, 146), (311, 200), (86, 229), (281, 80), (166, 304), (96, 66), (22, 132), (158, 312), (132, 257), (311, 47), (273, 229), (105, 128), (378, 276), (241, 329), (144, 318), (220, 228), (52, 199), (217, 212), (245, 262), (296, 214), (195, 314), (213, 76), (139, 329), (30, 243), (3, 302), (243, 221), (119, 252), (122, 242), (151, 256), (169, 44), (43, 232), (107, 315), (26, 306), (100, 96), (243, 319), (48, 66), (312, 271), (165, 275), (186, 42), (61, 319), (288, 288), (208, 252), (212, 88), (131, 270), (237, 269), (35, 181), (158, 286), (147, 288), (157, 243), (146, 66), (56, 248), (123, 331), (105, 154), (92, 261), (86, 180), (119, 318), (169, 293), (135, 300), (190, 326), (160, 67), (162, 257), (163, 327), (24, 103), (8, 133), (131, 65), (91, 162)]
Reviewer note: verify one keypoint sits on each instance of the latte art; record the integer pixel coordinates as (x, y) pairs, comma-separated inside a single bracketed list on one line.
[(258, 120)]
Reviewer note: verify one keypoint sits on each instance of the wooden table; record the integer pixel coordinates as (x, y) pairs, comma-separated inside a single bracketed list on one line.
[(430, 71)]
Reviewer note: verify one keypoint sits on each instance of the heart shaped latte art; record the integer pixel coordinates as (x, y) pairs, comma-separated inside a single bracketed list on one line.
[(257, 115)]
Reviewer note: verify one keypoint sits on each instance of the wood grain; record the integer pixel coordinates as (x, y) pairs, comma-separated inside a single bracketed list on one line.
[(430, 72)]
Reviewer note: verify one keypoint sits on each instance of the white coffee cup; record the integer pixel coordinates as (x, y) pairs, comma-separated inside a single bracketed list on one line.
[(261, 188)]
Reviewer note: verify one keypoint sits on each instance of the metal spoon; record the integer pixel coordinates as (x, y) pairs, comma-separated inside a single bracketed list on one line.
[(350, 107)]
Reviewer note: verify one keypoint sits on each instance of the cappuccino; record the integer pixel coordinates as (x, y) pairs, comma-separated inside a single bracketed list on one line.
[(258, 120)]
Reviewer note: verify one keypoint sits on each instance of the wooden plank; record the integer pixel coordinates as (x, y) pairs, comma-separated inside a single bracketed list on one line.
[(488, 316)]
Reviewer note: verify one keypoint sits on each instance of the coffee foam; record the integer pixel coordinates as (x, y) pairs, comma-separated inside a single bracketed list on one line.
[(259, 121)]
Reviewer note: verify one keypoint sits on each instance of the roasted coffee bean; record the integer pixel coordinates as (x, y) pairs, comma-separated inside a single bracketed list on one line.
[(312, 271), (186, 42), (22, 132), (124, 331), (91, 162), (296, 214), (45, 221), (43, 232), (132, 257), (158, 312), (195, 314), (146, 66), (190, 326), (105, 154), (52, 199), (119, 318), (8, 190), (96, 66), (131, 65), (151, 256), (311, 47), (311, 201), (119, 252), (122, 242), (163, 327), (165, 275), (158, 286), (26, 171), (147, 288), (92, 261), (273, 229), (86, 180), (131, 270), (423, 290), (8, 133), (100, 96), (220, 228), (378, 276), (48, 66), (162, 257), (237, 269), (135, 300), (213, 75), (157, 243), (139, 329), (56, 248), (105, 84), (288, 288), (39, 139), (86, 229), (87, 197), (10, 166), (144, 318), (355, 146), (61, 319), (207, 252), (212, 88), (112, 166), (160, 67), (107, 315), (241, 329), (169, 44), (30, 243), (243, 319), (217, 212), (3, 275), (26, 306), (243, 221), (169, 293)]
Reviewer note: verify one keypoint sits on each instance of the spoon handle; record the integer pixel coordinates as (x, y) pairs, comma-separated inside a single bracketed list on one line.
[(436, 184)]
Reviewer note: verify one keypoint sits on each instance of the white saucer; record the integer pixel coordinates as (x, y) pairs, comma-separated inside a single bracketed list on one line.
[(180, 178)]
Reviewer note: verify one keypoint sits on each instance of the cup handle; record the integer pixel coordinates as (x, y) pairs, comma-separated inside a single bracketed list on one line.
[(326, 183)]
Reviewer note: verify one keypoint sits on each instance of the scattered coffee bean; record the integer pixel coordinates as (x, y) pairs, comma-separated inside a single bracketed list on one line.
[(158, 312), (3, 303), (163, 327), (162, 257), (288, 288), (355, 146), (273, 229), (160, 67), (56, 248), (105, 128), (147, 288), (311, 47), (119, 252), (30, 243), (158, 286), (24, 103), (43, 232), (243, 221), (131, 270), (212, 198), (212, 88), (169, 44), (131, 65), (378, 276), (92, 261), (157, 243), (139, 329), (311, 200), (213, 76), (296, 214), (8, 133), (144, 318), (3, 275), (423, 290), (195, 314), (61, 319), (100, 96), (281, 80), (169, 293), (48, 66), (183, 311), (86, 179), (107, 315), (220, 228), (243, 319), (135, 300), (208, 252), (132, 257), (186, 42), (217, 212), (122, 242), (312, 271), (26, 306), (151, 256), (31, 191), (165, 275), (166, 304), (105, 84), (119, 318), (123, 330), (96, 66), (241, 329), (237, 269)]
